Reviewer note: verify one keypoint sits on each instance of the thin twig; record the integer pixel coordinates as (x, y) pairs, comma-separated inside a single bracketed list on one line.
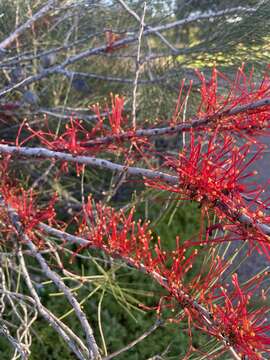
[(45, 312), (5, 332), (156, 325), (132, 13), (138, 68), (42, 12), (71, 74), (118, 44), (91, 342)]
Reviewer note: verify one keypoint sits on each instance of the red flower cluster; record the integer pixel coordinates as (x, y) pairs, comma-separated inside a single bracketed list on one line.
[(216, 174), (75, 138), (24, 204), (221, 96), (244, 329), (116, 233), (115, 115), (120, 236), (210, 170)]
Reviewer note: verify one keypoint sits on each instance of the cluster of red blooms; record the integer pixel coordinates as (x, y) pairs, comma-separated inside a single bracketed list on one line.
[(116, 233), (245, 329), (215, 173), (120, 236), (24, 203), (215, 110), (212, 170), (76, 138), (221, 95)]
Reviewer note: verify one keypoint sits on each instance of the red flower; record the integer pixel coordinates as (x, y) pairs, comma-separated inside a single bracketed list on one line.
[(243, 328), (213, 171), (75, 138), (116, 118), (24, 203), (72, 139), (229, 319), (240, 91), (215, 174), (120, 236), (114, 113), (116, 233)]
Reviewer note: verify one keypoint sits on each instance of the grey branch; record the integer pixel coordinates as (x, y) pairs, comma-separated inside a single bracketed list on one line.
[(137, 171), (204, 313), (17, 346), (47, 315), (87, 160), (91, 342), (118, 44), (158, 34), (191, 124), (43, 11), (138, 68)]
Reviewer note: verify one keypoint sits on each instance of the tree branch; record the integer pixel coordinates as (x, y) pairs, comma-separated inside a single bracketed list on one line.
[(204, 313), (54, 322), (145, 173), (193, 123), (118, 44), (91, 342), (42, 12)]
